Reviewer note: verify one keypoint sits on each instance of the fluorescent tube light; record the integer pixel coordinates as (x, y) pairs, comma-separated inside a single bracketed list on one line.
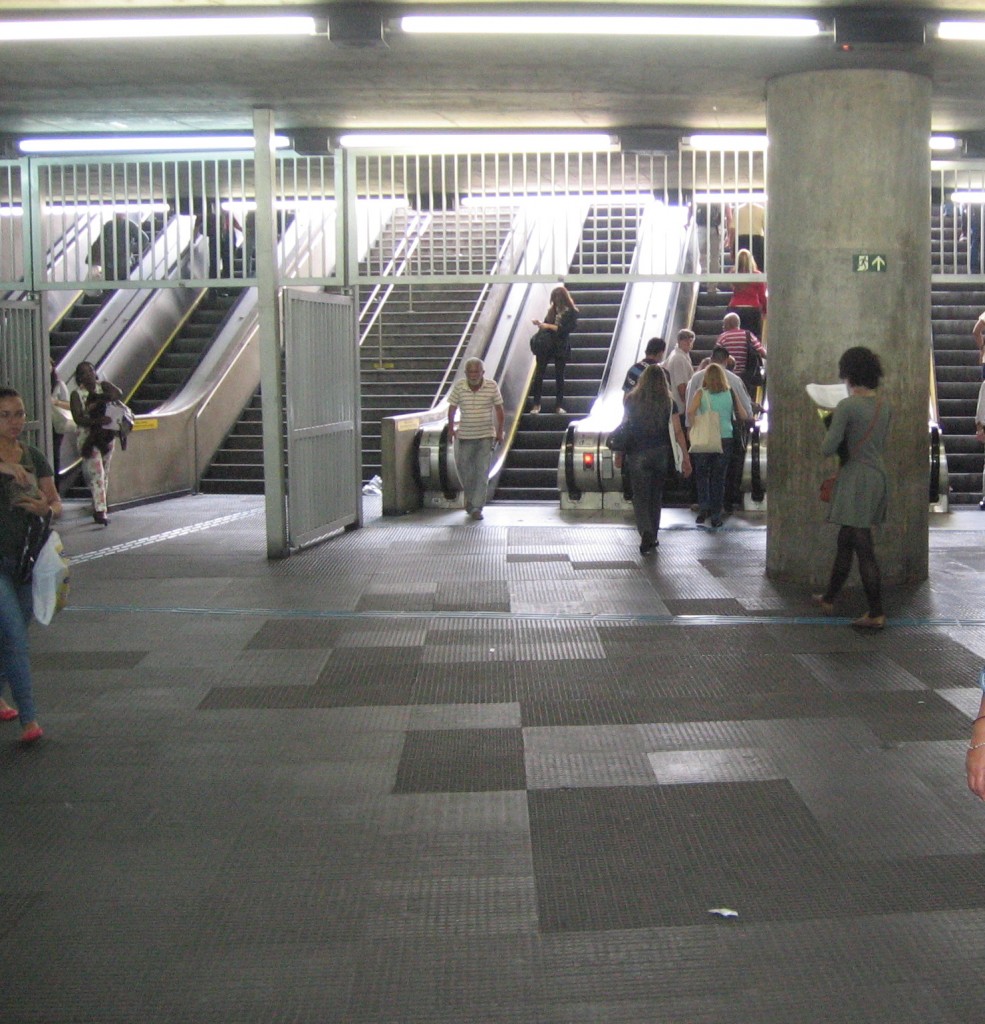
[(244, 206), (610, 25), (481, 143), (607, 198), (141, 210), (729, 197), (943, 143), (727, 143), (143, 144), (962, 31), (968, 196), (48, 30)]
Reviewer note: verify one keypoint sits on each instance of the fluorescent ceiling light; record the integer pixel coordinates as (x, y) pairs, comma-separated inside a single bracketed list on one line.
[(244, 206), (144, 144), (729, 197), (152, 28), (943, 143), (606, 198), (962, 31), (727, 142), (968, 196), (609, 25), (481, 143), (92, 209)]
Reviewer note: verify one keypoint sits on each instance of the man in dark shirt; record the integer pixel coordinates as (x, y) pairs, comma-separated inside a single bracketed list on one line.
[(653, 353)]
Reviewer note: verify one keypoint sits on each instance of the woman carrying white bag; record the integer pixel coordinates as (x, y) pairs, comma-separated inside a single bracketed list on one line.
[(27, 499), (711, 414)]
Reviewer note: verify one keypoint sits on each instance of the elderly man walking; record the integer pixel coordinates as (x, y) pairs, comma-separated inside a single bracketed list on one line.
[(479, 429)]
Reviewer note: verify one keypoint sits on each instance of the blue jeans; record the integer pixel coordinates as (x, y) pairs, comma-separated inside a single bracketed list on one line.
[(472, 463), (15, 667), (648, 471), (709, 470)]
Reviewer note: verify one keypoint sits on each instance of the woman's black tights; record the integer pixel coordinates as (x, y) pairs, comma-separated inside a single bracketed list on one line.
[(857, 540)]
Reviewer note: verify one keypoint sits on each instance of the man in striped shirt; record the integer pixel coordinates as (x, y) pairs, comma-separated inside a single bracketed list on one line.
[(734, 339), (478, 431)]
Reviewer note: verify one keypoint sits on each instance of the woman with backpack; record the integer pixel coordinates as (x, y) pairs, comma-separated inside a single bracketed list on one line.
[(553, 343)]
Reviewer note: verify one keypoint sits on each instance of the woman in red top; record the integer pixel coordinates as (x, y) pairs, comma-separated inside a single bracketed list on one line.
[(749, 297)]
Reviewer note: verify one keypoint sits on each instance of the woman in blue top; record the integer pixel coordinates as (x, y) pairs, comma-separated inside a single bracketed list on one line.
[(710, 468)]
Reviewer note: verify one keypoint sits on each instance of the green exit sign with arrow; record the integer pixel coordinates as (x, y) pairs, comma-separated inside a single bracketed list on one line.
[(868, 263)]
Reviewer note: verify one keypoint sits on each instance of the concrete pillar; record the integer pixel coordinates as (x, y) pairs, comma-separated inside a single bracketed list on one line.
[(848, 174)]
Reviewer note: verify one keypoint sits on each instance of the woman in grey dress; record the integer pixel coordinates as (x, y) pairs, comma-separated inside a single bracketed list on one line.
[(857, 434)]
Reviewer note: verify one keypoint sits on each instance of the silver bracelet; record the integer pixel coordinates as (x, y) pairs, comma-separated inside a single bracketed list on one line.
[(975, 746)]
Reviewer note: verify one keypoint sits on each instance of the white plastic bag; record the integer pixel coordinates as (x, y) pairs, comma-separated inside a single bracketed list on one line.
[(49, 581)]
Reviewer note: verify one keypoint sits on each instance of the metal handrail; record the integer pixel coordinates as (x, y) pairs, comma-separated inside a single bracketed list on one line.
[(396, 266), (452, 366)]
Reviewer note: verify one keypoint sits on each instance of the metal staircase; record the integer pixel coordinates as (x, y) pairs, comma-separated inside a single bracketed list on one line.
[(411, 334), (608, 242), (237, 467), (403, 360)]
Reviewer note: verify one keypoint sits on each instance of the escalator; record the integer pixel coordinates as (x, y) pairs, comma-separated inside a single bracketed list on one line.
[(608, 240), (184, 351), (954, 310), (69, 328)]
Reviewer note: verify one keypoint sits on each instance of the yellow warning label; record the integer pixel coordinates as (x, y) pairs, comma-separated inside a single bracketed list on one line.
[(145, 424)]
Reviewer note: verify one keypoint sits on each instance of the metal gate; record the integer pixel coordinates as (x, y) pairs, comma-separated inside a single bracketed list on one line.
[(22, 366), (322, 382)]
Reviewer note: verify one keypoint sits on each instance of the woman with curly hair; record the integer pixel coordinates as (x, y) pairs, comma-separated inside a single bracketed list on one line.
[(857, 434)]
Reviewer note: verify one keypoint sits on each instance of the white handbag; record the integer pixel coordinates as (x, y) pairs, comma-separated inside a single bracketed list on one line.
[(706, 431)]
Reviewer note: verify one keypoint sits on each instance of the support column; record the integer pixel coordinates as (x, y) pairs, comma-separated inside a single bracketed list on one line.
[(848, 175), (268, 309)]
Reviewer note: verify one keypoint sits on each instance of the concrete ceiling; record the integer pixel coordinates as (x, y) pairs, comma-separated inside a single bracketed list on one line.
[(447, 82)]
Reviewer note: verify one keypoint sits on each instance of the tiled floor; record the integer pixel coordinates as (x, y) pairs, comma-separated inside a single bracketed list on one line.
[(433, 771)]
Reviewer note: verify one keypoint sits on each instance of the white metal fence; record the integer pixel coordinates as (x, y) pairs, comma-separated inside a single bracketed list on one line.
[(22, 364), (88, 222), (68, 223)]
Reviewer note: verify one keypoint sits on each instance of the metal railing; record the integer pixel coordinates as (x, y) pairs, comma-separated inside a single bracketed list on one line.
[(58, 214)]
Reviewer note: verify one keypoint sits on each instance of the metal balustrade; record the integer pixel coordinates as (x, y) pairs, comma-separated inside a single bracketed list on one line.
[(68, 223)]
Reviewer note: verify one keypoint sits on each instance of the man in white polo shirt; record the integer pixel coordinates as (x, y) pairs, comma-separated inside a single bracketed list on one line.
[(679, 368), (479, 427)]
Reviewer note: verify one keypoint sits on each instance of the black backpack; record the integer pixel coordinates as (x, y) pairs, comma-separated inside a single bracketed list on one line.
[(754, 375)]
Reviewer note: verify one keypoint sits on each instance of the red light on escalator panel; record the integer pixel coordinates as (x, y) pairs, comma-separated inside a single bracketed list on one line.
[(588, 460)]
